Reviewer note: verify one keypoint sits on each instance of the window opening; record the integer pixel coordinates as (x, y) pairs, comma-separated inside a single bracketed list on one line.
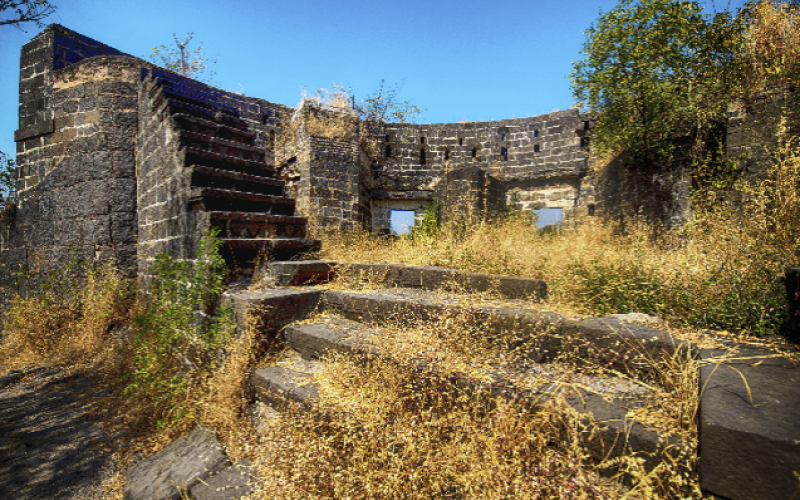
[(548, 217), (401, 221), (536, 133), (460, 141), (446, 153), (535, 148), (422, 140), (422, 156), (504, 153), (474, 152), (502, 137), (388, 151), (386, 138)]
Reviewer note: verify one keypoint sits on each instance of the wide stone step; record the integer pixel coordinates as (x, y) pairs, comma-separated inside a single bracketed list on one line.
[(203, 157), (606, 402), (210, 128), (220, 147), (543, 336), (228, 200), (442, 278), (254, 225), (203, 176), (248, 253)]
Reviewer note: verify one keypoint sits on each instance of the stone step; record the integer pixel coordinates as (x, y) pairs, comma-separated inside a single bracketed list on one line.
[(605, 401), (228, 200), (220, 146), (295, 273), (210, 128), (209, 136), (609, 342), (247, 253), (202, 176), (174, 107), (255, 225), (203, 157), (442, 278)]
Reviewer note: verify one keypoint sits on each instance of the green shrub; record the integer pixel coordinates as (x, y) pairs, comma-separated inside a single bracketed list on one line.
[(181, 331)]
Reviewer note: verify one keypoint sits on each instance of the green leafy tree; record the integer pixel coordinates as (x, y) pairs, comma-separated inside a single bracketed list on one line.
[(7, 180), (655, 70), (17, 12), (183, 60)]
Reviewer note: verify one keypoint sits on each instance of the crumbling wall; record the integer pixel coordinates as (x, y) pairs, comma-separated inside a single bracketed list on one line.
[(468, 196), (325, 167)]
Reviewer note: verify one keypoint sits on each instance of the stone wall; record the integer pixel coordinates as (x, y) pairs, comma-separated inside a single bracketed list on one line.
[(75, 157), (753, 128)]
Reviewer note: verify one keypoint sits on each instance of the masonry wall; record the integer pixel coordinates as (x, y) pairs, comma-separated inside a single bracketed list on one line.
[(753, 128), (325, 168), (76, 170), (538, 160)]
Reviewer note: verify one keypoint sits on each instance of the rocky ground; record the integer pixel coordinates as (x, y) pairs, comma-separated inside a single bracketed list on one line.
[(51, 444)]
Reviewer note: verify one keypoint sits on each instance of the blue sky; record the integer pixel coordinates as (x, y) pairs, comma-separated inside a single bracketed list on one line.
[(463, 60)]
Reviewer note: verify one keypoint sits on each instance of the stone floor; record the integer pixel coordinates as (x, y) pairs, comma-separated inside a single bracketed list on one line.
[(50, 448)]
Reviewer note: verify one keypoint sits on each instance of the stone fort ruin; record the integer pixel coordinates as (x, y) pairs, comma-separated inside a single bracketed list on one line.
[(120, 160)]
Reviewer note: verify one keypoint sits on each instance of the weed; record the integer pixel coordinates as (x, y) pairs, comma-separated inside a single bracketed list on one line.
[(179, 334)]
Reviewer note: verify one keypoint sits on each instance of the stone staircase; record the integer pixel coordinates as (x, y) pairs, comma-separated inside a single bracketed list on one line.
[(231, 186), (359, 324)]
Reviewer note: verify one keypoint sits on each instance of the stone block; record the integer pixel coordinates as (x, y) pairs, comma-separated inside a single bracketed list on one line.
[(235, 482), (176, 468), (792, 282), (294, 273), (749, 433), (271, 310), (280, 386)]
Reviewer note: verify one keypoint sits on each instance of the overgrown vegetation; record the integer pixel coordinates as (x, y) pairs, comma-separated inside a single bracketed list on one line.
[(657, 71), (8, 187), (184, 61)]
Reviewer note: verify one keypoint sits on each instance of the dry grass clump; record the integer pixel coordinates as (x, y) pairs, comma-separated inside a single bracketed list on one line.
[(384, 430), (64, 323)]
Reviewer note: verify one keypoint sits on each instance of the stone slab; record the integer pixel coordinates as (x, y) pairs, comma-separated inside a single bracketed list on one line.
[(176, 468), (279, 386), (434, 278), (749, 448), (315, 340), (234, 482), (628, 347), (272, 309), (306, 272)]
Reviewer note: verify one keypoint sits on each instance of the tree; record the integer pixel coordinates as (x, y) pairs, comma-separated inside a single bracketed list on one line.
[(7, 189), (655, 70), (24, 11), (382, 106), (184, 61)]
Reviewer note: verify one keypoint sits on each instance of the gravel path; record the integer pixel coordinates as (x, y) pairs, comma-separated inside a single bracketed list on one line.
[(49, 446)]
